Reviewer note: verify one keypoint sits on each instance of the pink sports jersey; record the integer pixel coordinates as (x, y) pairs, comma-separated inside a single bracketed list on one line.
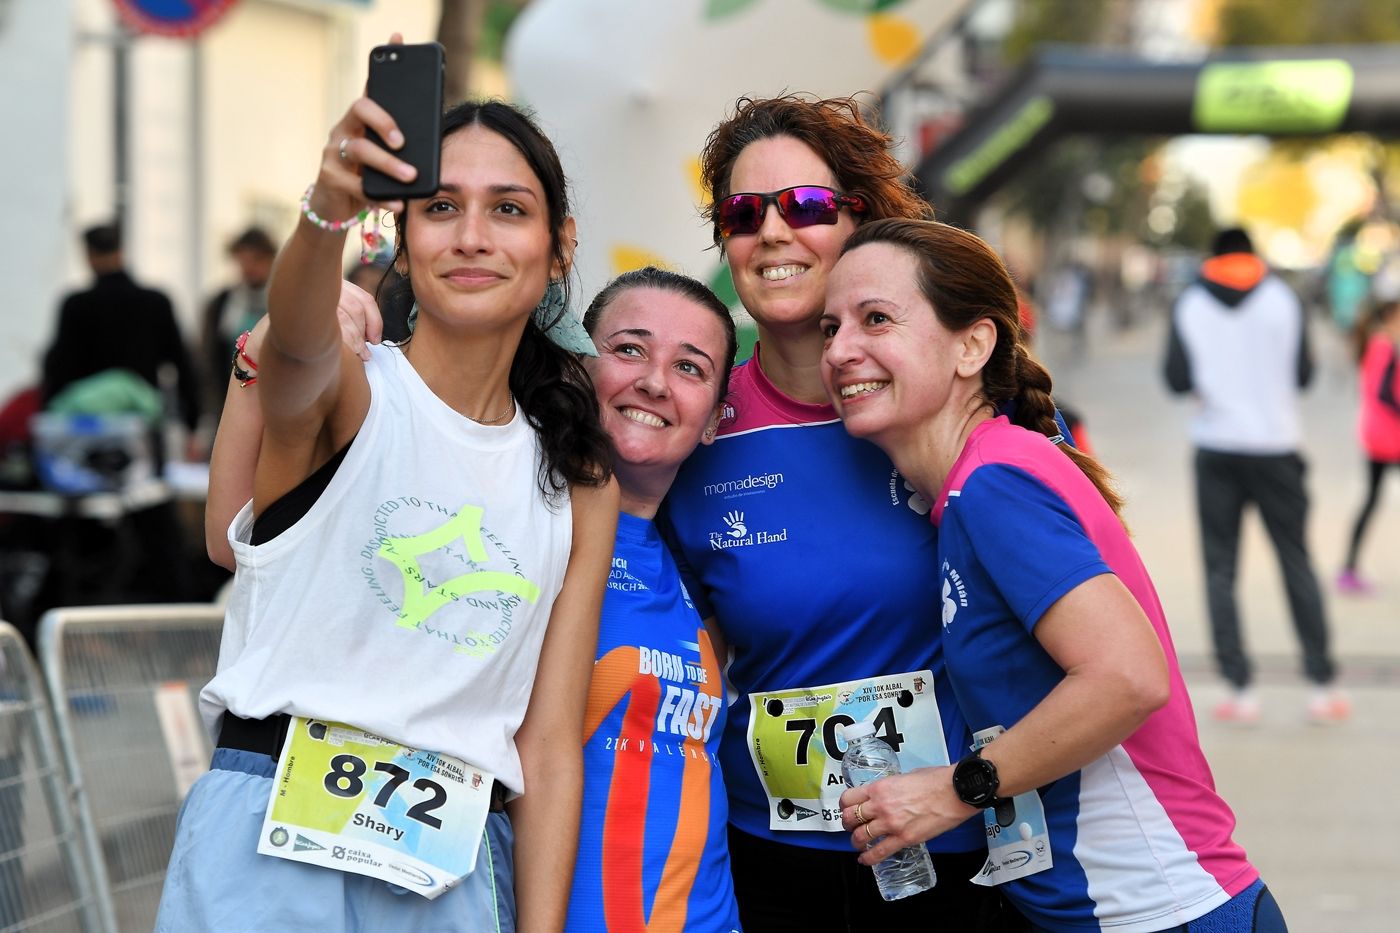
[(1140, 840)]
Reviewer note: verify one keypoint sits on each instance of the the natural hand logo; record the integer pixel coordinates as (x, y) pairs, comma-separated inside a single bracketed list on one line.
[(403, 553), (950, 608), (735, 521)]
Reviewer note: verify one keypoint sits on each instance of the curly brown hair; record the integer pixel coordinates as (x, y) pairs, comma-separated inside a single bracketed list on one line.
[(965, 280), (858, 153)]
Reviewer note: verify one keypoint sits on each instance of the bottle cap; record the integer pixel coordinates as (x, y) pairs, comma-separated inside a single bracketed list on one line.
[(859, 730)]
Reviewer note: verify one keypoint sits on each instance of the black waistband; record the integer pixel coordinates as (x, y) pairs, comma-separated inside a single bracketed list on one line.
[(265, 737)]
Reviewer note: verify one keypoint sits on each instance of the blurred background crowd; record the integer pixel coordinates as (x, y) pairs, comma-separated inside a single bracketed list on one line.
[(153, 201)]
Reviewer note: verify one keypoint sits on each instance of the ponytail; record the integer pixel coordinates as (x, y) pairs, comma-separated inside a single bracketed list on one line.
[(1035, 411)]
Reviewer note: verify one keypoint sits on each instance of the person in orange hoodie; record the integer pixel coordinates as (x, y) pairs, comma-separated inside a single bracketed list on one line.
[(1238, 343)]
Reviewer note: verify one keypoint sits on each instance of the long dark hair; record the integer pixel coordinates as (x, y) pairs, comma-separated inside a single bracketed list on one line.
[(859, 155), (964, 280), (667, 281), (548, 382)]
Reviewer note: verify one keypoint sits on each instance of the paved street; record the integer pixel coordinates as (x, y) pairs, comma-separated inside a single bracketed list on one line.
[(1318, 807)]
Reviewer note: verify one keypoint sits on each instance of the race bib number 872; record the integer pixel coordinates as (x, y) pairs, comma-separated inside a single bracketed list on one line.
[(347, 799), (796, 741)]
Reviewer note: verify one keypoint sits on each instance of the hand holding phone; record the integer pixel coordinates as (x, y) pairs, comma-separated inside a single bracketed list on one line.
[(406, 80)]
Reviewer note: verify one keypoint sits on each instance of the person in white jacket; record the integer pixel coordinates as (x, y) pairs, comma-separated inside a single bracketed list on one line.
[(1238, 342)]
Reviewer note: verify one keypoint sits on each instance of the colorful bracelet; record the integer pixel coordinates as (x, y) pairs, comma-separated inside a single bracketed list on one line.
[(333, 226), (246, 376)]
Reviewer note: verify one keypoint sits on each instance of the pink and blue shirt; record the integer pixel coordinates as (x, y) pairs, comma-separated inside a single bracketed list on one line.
[(1140, 840)]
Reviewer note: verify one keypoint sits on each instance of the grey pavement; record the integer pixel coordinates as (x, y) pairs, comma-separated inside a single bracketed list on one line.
[(1318, 807)]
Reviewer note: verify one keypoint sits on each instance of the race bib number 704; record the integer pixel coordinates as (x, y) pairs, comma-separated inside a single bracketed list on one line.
[(796, 742)]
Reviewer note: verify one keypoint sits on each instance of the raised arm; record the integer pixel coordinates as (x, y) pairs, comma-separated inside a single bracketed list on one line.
[(313, 398), (550, 740)]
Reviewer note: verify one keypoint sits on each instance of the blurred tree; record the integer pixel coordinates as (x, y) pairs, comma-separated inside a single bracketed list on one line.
[(1084, 182), (1080, 21), (459, 31), (1306, 22), (1317, 22), (470, 30)]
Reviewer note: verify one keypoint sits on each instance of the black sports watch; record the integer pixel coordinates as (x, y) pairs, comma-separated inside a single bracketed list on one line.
[(975, 781)]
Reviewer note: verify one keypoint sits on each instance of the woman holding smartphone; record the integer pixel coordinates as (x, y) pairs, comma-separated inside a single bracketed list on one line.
[(652, 836), (428, 539)]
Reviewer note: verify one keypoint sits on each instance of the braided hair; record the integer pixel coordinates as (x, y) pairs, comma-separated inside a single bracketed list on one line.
[(965, 281)]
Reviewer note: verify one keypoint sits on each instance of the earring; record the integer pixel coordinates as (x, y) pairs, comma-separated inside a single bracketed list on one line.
[(412, 317)]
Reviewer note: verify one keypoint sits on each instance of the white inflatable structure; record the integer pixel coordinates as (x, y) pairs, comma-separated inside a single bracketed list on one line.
[(629, 90)]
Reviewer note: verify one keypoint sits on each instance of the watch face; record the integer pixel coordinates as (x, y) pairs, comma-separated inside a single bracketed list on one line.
[(976, 782)]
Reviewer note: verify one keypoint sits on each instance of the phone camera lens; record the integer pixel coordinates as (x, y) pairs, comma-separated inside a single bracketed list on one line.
[(379, 56)]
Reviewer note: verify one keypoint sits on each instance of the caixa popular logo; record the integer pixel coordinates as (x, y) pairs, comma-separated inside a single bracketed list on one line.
[(1015, 859)]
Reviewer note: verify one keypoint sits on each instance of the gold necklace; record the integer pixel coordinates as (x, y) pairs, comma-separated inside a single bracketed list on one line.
[(510, 410)]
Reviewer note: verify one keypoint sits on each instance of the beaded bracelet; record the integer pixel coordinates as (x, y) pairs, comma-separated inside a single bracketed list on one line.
[(333, 226), (249, 375)]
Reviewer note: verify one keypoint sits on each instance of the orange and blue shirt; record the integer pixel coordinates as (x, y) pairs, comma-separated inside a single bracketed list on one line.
[(652, 843)]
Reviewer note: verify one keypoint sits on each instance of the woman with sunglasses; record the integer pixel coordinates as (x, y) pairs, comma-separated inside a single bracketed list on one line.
[(809, 548)]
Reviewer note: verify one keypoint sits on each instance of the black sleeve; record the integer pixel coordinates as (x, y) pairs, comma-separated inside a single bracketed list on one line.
[(59, 361), (1305, 357), (1387, 390), (174, 351), (1178, 364)]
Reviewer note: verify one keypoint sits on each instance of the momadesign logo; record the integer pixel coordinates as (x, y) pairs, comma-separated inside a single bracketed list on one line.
[(737, 531), (744, 485)]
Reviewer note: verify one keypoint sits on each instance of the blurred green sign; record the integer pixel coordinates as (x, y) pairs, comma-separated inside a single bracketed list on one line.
[(1306, 96), (1008, 139)]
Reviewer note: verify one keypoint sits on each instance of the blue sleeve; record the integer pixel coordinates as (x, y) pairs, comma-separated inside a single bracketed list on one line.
[(1027, 538), (689, 578)]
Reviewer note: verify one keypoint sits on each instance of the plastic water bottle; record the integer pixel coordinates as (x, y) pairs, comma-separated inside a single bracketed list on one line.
[(869, 758)]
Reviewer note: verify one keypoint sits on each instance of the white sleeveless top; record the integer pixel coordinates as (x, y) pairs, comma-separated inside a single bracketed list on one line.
[(412, 598)]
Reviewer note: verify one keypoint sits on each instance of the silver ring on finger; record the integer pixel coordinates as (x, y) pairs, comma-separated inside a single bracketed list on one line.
[(344, 152)]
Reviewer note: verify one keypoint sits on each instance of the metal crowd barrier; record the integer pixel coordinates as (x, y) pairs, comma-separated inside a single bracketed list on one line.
[(124, 681), (45, 882)]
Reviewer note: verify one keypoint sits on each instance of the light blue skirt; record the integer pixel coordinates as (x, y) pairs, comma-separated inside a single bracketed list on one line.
[(217, 881)]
